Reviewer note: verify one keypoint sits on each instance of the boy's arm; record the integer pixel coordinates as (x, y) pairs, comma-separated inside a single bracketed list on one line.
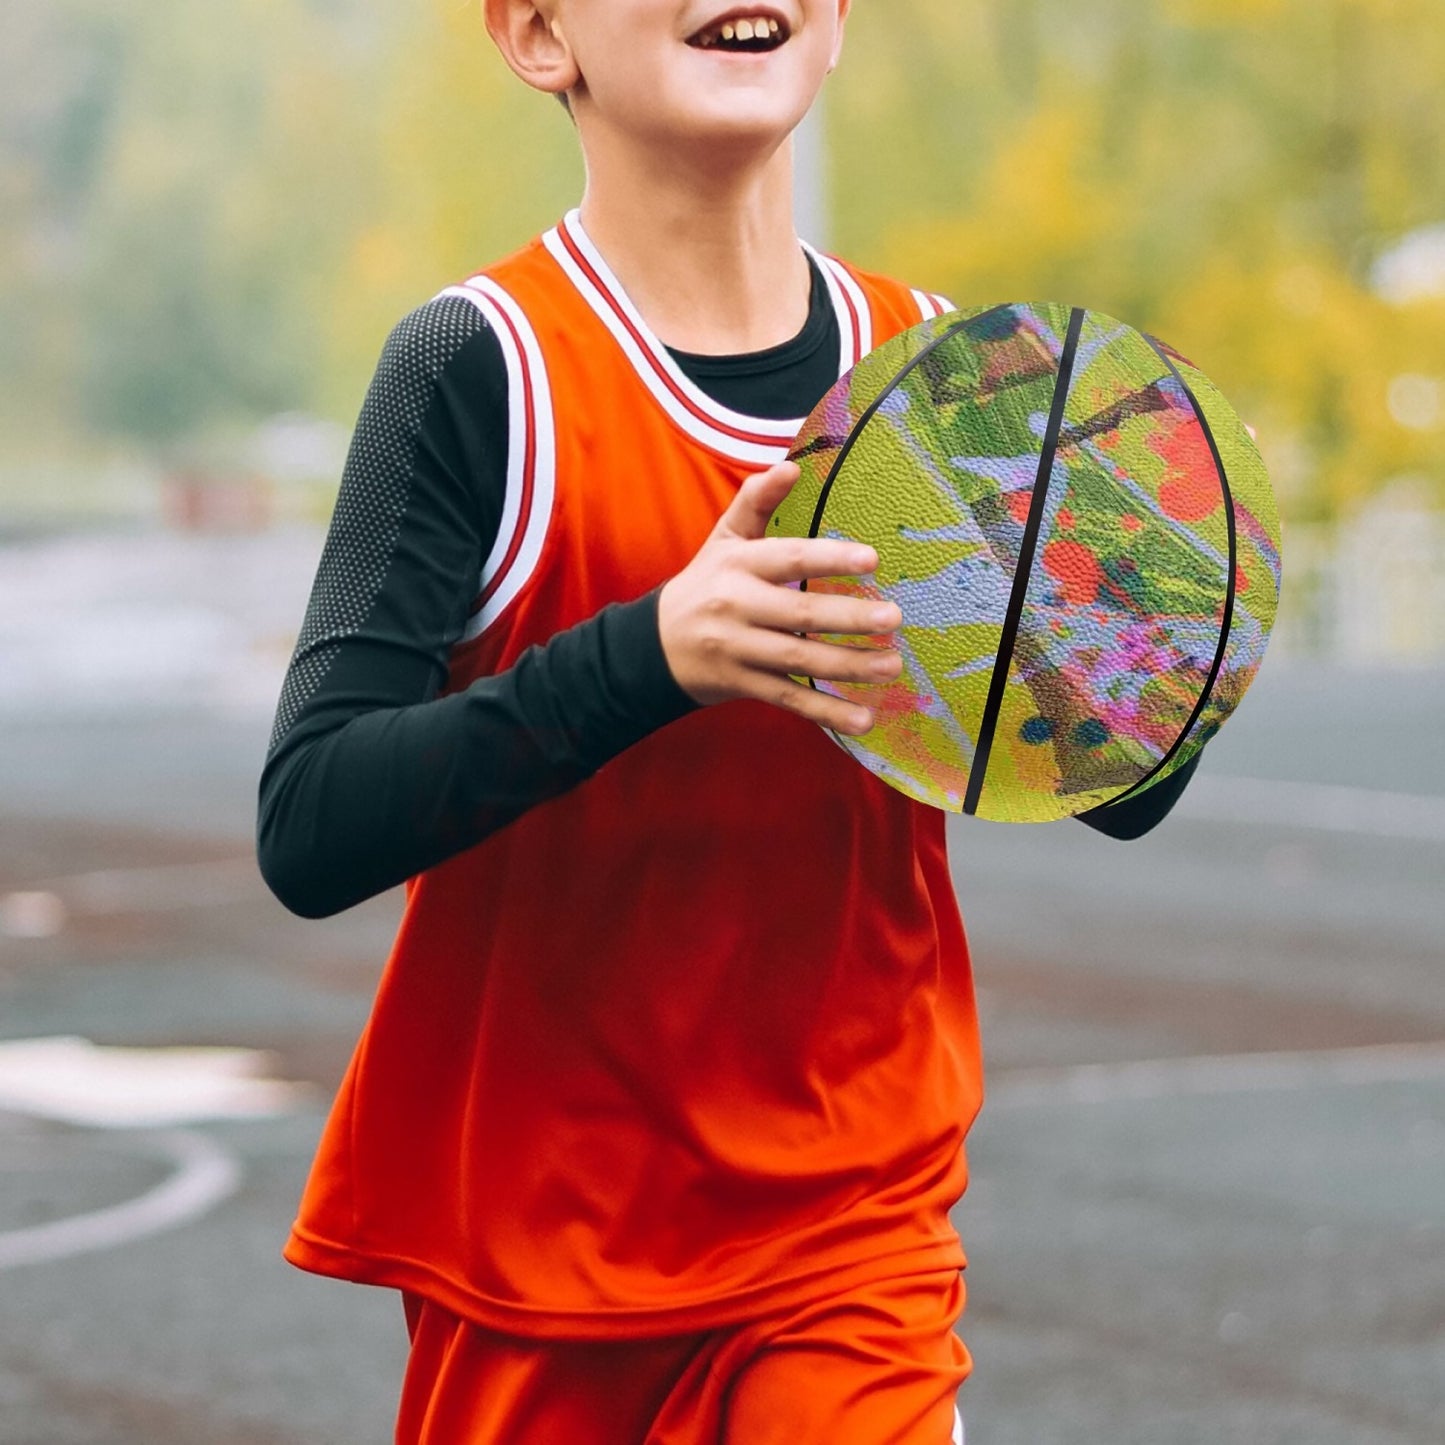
[(370, 777), (1135, 816)]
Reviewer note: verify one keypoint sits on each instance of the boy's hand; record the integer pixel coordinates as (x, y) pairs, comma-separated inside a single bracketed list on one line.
[(729, 621)]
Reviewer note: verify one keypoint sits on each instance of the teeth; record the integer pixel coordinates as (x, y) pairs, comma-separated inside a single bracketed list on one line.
[(751, 28)]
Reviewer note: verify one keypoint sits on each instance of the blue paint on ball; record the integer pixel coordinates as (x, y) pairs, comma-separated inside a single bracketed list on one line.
[(1091, 733), (1037, 730)]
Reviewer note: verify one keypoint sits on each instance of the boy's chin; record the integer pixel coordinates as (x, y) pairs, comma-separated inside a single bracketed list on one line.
[(730, 123)]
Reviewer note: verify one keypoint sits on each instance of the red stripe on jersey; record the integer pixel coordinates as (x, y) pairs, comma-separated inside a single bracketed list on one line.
[(575, 252), (529, 467), (857, 352)]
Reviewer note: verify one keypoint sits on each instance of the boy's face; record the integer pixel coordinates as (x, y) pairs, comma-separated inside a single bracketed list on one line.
[(670, 71)]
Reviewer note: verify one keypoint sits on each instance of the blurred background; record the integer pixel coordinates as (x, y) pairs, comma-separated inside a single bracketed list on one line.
[(211, 221), (210, 218)]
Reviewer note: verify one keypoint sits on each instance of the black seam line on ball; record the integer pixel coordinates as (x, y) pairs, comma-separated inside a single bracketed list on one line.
[(1229, 586), (867, 416), (878, 401), (1022, 572)]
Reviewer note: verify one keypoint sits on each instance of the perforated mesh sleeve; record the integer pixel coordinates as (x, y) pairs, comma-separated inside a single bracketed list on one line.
[(370, 777), (381, 480)]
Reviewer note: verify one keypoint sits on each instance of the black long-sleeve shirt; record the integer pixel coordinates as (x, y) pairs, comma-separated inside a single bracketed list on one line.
[(370, 777)]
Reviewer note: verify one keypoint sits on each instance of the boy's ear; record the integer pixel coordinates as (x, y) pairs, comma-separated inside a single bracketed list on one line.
[(843, 8), (532, 43)]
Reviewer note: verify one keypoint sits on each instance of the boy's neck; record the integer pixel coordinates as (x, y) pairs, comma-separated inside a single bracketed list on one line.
[(709, 256)]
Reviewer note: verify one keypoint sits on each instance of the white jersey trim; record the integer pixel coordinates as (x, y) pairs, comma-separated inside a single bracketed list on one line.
[(855, 319), (931, 305), (758, 440), (531, 454)]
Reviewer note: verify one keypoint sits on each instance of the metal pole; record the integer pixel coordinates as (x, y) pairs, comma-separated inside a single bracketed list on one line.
[(810, 179)]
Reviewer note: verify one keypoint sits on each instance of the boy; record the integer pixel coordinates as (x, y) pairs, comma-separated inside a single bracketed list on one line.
[(660, 1111)]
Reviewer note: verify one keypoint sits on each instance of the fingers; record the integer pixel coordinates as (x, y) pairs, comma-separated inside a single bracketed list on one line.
[(827, 661), (838, 714), (758, 498), (796, 559), (788, 610), (787, 559), (734, 623), (777, 655), (827, 711)]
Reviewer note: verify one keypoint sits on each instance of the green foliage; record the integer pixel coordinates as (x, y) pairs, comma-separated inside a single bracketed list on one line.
[(468, 164), (179, 220)]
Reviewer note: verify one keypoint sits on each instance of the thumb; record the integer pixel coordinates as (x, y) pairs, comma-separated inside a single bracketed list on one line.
[(749, 512)]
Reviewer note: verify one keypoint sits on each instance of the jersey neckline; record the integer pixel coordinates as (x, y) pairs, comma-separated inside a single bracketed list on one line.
[(792, 352), (759, 440)]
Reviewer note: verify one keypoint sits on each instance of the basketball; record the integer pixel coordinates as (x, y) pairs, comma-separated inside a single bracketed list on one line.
[(1081, 536)]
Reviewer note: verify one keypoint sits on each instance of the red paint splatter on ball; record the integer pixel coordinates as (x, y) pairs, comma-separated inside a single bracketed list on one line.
[(1191, 491), (893, 700), (1190, 499), (1130, 522), (1076, 570), (1066, 517), (1019, 504)]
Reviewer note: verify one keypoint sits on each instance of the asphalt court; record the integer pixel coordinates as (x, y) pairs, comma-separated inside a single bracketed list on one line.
[(1208, 1197)]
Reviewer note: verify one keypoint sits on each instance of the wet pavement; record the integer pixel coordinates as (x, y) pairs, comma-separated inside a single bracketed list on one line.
[(1208, 1198)]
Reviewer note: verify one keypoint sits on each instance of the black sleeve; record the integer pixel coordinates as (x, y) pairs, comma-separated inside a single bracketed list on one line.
[(370, 778), (1133, 817)]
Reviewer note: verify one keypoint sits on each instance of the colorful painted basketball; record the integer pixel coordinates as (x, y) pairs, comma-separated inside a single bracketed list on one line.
[(1083, 541)]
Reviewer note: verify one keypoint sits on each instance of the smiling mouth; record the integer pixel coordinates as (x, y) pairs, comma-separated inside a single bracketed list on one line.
[(746, 34)]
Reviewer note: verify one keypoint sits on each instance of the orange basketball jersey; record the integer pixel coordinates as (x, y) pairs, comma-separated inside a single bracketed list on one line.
[(696, 1039)]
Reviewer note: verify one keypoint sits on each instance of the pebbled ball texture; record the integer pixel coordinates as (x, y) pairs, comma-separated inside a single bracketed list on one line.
[(930, 449)]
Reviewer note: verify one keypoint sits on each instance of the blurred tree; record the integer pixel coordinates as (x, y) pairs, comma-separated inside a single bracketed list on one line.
[(58, 95), (468, 164), (176, 215), (215, 223), (206, 215)]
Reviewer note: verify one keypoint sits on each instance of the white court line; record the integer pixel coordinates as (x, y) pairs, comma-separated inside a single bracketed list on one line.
[(1214, 1074), (106, 1086), (205, 1175), (1332, 807)]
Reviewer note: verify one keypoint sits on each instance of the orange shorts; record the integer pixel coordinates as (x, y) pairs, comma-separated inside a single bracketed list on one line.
[(879, 1366)]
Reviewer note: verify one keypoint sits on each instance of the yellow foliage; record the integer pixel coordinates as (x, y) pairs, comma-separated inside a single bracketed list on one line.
[(267, 188), (472, 164), (1042, 213), (1221, 173), (1310, 356)]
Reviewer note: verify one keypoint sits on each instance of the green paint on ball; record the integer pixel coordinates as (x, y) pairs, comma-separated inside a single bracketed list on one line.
[(1099, 679)]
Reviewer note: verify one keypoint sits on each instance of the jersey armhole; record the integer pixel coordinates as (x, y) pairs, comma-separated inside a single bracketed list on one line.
[(531, 456)]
